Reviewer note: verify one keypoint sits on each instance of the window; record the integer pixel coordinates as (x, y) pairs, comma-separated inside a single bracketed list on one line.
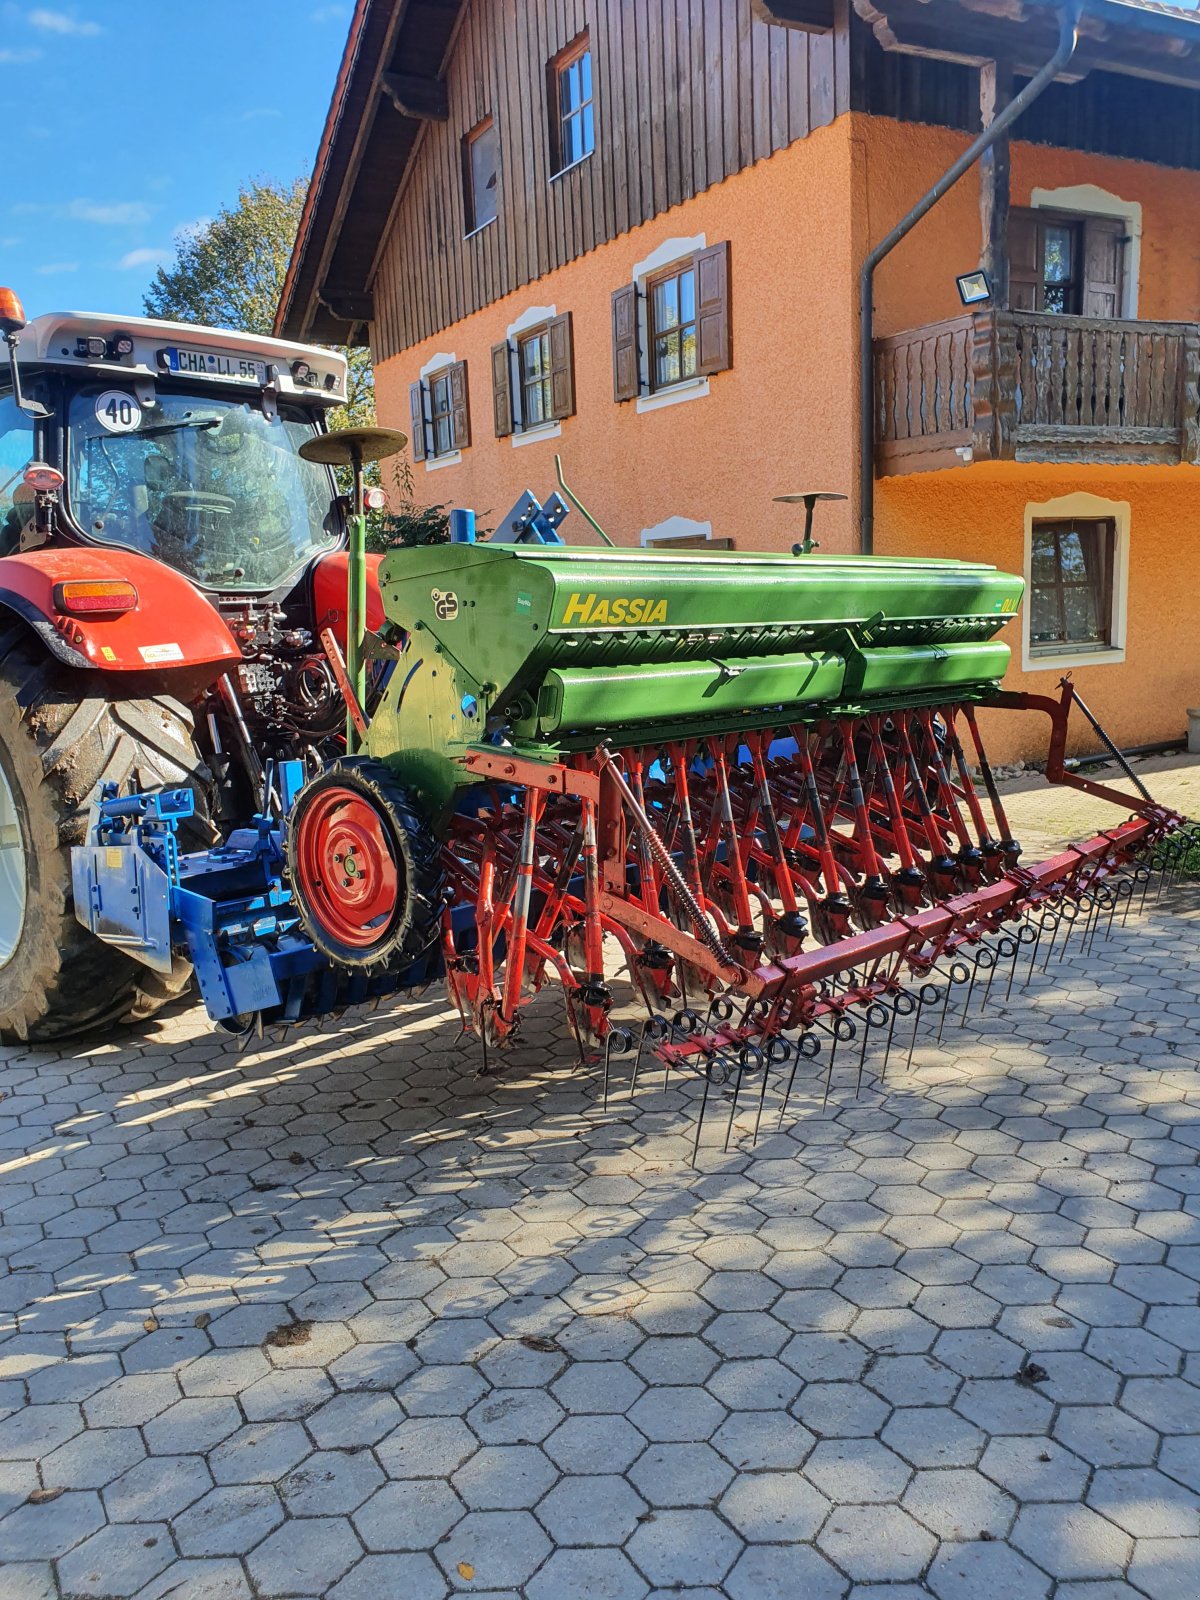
[(533, 364), (672, 299), (572, 130), (533, 377), (1069, 265), (1071, 585), (439, 412), (441, 415), (481, 171), (671, 325), (16, 452)]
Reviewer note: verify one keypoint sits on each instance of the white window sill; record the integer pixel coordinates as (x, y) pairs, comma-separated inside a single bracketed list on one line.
[(1111, 656), (693, 389), (482, 228), (574, 167), (544, 430), (450, 459)]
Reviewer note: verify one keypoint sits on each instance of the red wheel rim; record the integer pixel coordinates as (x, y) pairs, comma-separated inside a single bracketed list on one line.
[(348, 870)]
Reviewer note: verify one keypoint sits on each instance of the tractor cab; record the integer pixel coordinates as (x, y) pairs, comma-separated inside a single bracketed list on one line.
[(175, 442)]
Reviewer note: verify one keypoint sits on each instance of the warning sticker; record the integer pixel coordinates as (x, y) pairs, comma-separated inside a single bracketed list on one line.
[(118, 412), (160, 652), (445, 604)]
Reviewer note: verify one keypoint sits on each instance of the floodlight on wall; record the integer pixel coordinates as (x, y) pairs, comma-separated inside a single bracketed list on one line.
[(974, 287)]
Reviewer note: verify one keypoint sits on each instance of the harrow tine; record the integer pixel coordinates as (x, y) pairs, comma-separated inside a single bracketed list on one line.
[(953, 976), (899, 1010), (1023, 928), (1037, 940), (873, 1017), (1056, 922), (842, 1028), (778, 1054), (700, 1117), (619, 1042), (749, 1056), (808, 1048), (655, 1028), (926, 995)]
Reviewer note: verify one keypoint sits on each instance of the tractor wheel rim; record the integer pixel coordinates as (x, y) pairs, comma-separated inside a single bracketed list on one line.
[(349, 871), (14, 879)]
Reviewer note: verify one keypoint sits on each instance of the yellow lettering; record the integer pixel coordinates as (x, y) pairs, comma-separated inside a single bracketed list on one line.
[(618, 609), (637, 609), (656, 612), (577, 610), (598, 613)]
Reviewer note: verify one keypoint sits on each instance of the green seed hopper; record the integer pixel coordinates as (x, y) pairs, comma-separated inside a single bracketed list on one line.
[(563, 648)]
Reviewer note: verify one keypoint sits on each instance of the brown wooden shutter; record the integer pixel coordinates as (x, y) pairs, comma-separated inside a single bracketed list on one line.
[(626, 371), (502, 405), (714, 347), (460, 407), (416, 408), (1024, 259), (1103, 266), (562, 367)]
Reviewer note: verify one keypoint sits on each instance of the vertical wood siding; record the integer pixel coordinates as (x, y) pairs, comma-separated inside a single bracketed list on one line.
[(687, 92)]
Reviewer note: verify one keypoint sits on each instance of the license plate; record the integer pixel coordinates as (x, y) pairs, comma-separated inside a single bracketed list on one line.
[(214, 364)]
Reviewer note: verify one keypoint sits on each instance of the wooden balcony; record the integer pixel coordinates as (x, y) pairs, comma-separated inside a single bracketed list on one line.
[(1029, 386)]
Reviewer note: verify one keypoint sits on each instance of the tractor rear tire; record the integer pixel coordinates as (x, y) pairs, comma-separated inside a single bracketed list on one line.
[(61, 734)]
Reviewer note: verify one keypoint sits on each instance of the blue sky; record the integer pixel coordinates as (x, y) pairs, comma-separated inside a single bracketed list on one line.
[(131, 119)]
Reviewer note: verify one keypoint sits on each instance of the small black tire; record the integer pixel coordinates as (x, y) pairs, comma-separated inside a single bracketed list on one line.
[(409, 919), (61, 734)]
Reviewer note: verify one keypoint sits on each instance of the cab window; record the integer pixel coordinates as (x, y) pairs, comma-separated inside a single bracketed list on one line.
[(16, 452)]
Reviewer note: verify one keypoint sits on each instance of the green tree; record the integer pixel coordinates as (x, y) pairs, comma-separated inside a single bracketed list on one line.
[(229, 274)]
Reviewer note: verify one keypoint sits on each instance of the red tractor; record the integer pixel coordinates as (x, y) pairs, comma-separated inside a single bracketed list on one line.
[(173, 610)]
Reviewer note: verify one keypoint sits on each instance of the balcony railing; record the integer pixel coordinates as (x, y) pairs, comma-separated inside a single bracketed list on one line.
[(1029, 386)]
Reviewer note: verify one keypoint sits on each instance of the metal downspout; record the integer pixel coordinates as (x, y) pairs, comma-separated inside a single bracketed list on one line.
[(1067, 41)]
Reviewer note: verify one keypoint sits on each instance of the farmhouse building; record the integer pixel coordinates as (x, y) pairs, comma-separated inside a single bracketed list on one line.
[(631, 232)]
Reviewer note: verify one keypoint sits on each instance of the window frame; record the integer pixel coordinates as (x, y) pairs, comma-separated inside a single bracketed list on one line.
[(471, 220), (676, 270), (557, 69), (544, 380), (1102, 592), (440, 380)]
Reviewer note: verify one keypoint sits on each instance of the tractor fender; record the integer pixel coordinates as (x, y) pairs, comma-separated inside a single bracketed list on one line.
[(173, 624), (329, 577)]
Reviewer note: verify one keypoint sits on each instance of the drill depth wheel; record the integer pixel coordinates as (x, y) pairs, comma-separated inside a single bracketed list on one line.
[(364, 867)]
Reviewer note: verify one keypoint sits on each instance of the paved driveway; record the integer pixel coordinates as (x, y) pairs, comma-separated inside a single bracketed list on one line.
[(336, 1318)]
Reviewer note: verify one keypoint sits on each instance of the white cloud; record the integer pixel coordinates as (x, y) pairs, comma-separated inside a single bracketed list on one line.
[(259, 113), (52, 268), (122, 213), (59, 22), (144, 258), (331, 13), (19, 58), (187, 230)]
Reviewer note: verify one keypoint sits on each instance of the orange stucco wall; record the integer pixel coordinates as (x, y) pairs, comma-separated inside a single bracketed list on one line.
[(781, 418), (785, 416), (899, 161), (978, 514)]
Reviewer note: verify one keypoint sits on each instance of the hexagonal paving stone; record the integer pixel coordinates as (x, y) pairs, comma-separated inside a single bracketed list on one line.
[(304, 1557), (228, 1521), (682, 1548), (118, 1560), (876, 1543), (677, 1415), (680, 1474), (594, 1510), (774, 1507), (595, 1444), (773, 1572), (985, 1572), (380, 1577), (412, 1514), (857, 1470), (1070, 1541), (587, 1575), (759, 1439), (958, 1504), (1145, 1503), (1034, 1469), (159, 1487), (841, 1410), (330, 1483), (502, 1549)]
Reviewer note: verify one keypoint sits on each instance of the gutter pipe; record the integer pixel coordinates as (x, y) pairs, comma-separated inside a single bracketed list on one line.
[(1068, 38)]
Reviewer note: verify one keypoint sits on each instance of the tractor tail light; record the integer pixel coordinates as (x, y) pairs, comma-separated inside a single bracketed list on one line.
[(94, 596)]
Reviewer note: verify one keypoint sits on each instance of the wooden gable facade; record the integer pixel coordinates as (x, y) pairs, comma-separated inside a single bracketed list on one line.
[(689, 92)]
